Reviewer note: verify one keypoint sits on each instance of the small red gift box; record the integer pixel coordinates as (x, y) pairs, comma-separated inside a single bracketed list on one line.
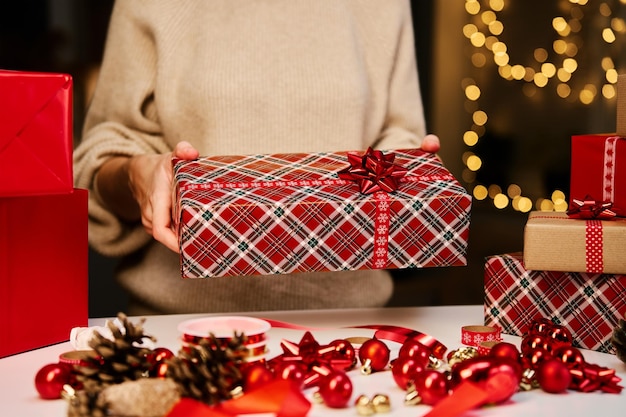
[(43, 269), (598, 170), (35, 133), (555, 242), (286, 213), (589, 305)]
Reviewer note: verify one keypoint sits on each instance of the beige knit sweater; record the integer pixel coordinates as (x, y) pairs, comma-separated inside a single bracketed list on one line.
[(240, 77)]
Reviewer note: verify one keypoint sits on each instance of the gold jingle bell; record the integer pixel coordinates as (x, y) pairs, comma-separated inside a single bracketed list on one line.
[(381, 403), (364, 406), (462, 354), (412, 397)]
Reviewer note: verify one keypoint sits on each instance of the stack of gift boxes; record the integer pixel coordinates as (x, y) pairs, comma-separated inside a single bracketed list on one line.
[(43, 219), (573, 266)]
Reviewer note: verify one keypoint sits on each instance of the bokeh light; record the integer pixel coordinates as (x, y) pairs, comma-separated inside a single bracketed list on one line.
[(553, 65)]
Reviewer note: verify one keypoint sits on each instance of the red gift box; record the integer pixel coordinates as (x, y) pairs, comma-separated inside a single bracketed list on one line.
[(35, 133), (286, 213), (43, 269), (598, 170), (589, 305)]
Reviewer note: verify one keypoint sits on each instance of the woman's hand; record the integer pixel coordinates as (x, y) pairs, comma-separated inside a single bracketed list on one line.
[(150, 180), (430, 143)]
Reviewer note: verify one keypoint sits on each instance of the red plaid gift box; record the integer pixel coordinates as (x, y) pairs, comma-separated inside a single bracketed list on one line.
[(35, 133), (589, 305), (285, 213), (598, 170)]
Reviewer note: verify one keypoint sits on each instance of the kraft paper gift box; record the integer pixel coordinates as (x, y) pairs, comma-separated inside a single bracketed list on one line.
[(555, 242), (35, 133), (286, 213), (598, 170), (589, 305), (43, 269)]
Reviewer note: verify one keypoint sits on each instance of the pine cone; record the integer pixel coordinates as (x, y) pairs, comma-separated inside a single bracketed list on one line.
[(118, 360), (86, 402), (142, 397), (208, 372), (618, 340)]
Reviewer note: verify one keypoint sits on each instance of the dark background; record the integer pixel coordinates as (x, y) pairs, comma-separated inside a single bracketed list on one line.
[(68, 36)]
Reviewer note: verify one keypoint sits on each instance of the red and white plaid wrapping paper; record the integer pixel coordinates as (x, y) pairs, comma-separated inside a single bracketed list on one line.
[(598, 169), (285, 213), (589, 305)]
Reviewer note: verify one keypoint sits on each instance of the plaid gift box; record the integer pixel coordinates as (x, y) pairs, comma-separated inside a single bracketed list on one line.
[(35, 133), (589, 305), (555, 242), (43, 269), (286, 213)]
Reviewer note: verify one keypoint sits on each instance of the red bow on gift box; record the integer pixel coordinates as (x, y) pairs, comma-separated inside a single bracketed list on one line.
[(373, 171), (590, 209)]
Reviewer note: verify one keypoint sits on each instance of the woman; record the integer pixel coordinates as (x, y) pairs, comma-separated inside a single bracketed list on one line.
[(237, 77)]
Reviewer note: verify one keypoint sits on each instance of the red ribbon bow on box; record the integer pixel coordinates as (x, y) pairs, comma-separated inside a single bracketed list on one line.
[(590, 209), (373, 171)]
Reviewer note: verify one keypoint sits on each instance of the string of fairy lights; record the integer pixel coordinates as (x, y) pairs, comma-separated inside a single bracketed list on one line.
[(553, 65)]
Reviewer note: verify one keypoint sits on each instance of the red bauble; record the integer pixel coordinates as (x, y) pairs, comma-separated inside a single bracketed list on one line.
[(160, 354), (256, 375), (560, 336), (505, 350), (553, 376), (50, 379), (570, 356), (412, 348), (157, 359), (498, 376), (335, 389), (533, 358), (540, 326), (404, 370), (344, 350), (291, 371), (431, 386), (374, 355), (534, 341)]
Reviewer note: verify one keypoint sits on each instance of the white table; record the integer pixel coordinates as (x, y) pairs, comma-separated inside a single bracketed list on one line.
[(18, 396)]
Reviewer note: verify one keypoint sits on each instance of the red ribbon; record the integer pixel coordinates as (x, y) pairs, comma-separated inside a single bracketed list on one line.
[(280, 397), (590, 377), (250, 340), (475, 335), (590, 209), (373, 171), (466, 396), (396, 334), (592, 212), (400, 334)]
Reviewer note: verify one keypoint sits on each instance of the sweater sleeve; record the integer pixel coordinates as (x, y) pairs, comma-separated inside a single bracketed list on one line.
[(121, 120), (404, 122)]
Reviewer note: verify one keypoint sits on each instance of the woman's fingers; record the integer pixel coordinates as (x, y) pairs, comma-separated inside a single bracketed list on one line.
[(430, 143)]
